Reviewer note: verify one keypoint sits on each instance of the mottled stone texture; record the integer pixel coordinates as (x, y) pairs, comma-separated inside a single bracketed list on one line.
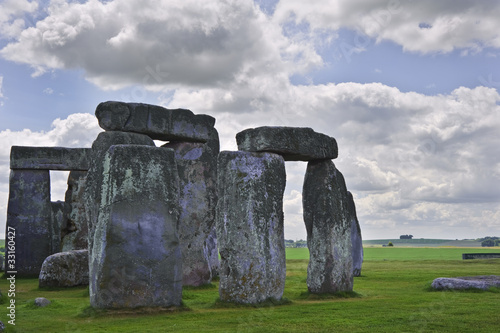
[(197, 168), (356, 240), (29, 212), (293, 143), (58, 218), (93, 187), (75, 227), (155, 121), (65, 269), (49, 158), (250, 226), (136, 257), (328, 224)]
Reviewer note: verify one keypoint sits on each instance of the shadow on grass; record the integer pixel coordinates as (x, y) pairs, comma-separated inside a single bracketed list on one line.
[(268, 303), (202, 287), (90, 312), (338, 295)]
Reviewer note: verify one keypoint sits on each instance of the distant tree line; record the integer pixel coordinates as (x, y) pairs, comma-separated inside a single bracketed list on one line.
[(406, 237), (489, 241), (292, 243)]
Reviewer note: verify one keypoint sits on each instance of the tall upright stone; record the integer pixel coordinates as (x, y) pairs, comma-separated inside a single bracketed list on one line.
[(94, 181), (250, 226), (29, 216), (58, 219), (356, 239), (136, 254), (197, 168), (328, 223), (75, 227)]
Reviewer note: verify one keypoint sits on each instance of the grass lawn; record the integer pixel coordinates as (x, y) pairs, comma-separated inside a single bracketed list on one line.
[(393, 295)]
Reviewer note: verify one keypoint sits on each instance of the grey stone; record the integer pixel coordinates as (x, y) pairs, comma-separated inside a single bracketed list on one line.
[(356, 239), (136, 259), (42, 302), (75, 228), (49, 158), (328, 224), (482, 282), (29, 216), (93, 187), (250, 226), (58, 218), (197, 168), (157, 122), (65, 269), (293, 143)]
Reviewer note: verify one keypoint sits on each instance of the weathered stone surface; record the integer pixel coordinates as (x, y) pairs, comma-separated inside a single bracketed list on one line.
[(468, 282), (157, 122), (356, 240), (58, 218), (29, 216), (65, 269), (93, 187), (136, 258), (250, 226), (197, 168), (42, 302), (293, 143), (328, 224), (75, 228), (49, 158)]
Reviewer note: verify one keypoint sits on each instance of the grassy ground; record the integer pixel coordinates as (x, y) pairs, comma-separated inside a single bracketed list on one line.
[(392, 295)]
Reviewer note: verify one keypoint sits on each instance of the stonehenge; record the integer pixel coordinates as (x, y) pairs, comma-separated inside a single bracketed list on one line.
[(152, 217)]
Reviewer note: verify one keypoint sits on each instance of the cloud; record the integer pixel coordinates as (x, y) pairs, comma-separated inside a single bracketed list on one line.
[(1, 84), (12, 20), (178, 43), (418, 26), (48, 91)]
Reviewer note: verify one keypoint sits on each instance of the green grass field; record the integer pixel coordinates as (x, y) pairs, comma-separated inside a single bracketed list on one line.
[(392, 295)]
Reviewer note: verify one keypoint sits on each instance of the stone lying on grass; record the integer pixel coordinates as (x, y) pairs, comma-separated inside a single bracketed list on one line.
[(65, 269), (482, 282), (293, 143), (42, 302)]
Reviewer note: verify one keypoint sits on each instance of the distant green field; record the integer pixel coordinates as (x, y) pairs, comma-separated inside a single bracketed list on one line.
[(403, 253), (422, 242)]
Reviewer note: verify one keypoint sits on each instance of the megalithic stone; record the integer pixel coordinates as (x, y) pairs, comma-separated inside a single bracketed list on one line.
[(58, 219), (136, 258), (197, 167), (29, 220), (93, 187), (75, 228), (356, 239), (328, 224), (250, 226)]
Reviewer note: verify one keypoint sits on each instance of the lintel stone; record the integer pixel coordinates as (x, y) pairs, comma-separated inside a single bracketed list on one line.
[(155, 121), (49, 158), (293, 143)]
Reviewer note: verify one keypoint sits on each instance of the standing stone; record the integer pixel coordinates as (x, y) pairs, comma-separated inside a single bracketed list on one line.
[(65, 269), (29, 214), (94, 181), (328, 224), (197, 167), (136, 257), (356, 240), (58, 219), (250, 226), (75, 228)]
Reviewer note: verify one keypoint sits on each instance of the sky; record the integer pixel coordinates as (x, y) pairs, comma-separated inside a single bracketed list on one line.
[(409, 89)]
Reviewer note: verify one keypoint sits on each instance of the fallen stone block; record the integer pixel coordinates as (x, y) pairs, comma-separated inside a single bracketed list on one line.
[(65, 269), (482, 282), (293, 143), (250, 226), (155, 121)]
